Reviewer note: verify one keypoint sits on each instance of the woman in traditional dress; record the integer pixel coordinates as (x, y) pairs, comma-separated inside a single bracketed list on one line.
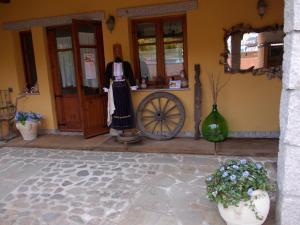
[(118, 77)]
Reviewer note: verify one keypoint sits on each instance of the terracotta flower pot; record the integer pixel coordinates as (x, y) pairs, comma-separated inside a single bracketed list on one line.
[(243, 214), (29, 130)]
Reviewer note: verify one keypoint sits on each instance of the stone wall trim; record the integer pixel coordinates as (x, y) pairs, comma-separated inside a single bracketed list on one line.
[(158, 9), (52, 21), (235, 134)]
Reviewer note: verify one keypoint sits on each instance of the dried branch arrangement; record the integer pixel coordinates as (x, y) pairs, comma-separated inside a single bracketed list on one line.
[(216, 85)]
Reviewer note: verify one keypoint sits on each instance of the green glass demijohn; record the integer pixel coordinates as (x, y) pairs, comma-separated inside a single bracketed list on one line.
[(214, 127)]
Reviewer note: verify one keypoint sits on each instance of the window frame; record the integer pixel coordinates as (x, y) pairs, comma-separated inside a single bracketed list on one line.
[(163, 81), (30, 71)]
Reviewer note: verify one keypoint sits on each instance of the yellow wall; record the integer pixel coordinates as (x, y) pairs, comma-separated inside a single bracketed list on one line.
[(249, 103)]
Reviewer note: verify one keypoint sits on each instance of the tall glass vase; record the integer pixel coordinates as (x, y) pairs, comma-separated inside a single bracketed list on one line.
[(214, 127)]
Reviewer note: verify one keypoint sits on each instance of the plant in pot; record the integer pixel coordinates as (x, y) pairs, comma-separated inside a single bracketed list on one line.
[(27, 123), (240, 187)]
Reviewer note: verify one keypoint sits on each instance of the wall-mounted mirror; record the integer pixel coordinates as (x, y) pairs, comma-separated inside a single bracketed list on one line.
[(256, 50)]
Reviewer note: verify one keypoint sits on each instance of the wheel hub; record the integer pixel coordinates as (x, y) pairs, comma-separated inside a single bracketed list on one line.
[(160, 116)]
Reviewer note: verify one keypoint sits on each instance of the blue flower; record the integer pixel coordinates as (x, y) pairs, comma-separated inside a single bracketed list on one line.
[(38, 116), (225, 174), (209, 178), (31, 116), (233, 177), (30, 119), (215, 193), (258, 166), (246, 174), (18, 114), (222, 169), (235, 167), (27, 116), (243, 161), (250, 191)]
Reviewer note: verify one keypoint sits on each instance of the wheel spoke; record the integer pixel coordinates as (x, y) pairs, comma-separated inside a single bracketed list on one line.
[(167, 126), (155, 127), (153, 106), (159, 104), (161, 127), (147, 124), (174, 115), (171, 109), (148, 110), (171, 121), (148, 117), (166, 105)]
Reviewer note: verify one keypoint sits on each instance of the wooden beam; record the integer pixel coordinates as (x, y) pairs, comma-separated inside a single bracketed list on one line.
[(197, 99)]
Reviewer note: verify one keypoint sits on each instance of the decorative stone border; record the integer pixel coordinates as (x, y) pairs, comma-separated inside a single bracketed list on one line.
[(151, 10), (236, 134), (52, 21), (241, 134), (254, 134)]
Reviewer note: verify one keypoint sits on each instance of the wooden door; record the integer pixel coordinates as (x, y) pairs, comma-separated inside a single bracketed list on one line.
[(64, 78), (90, 67)]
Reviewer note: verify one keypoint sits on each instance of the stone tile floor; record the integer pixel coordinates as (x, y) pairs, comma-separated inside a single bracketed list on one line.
[(62, 187)]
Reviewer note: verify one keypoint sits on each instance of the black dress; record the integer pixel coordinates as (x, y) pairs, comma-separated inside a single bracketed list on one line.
[(123, 117)]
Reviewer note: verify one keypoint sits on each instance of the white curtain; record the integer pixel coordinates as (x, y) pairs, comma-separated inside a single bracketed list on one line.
[(66, 64)]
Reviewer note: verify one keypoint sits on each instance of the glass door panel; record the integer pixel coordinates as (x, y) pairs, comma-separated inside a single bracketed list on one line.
[(89, 59), (67, 72), (87, 35), (87, 38), (90, 70), (63, 42), (66, 60)]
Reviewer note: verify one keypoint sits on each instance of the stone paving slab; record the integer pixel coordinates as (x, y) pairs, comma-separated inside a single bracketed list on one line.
[(62, 187)]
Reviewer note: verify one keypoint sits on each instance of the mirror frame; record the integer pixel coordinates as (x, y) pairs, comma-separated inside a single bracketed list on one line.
[(242, 28)]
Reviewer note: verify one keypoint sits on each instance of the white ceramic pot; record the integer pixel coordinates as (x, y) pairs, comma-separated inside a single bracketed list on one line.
[(243, 215), (29, 130)]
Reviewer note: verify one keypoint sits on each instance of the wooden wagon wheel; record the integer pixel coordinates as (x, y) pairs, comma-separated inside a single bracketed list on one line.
[(160, 116)]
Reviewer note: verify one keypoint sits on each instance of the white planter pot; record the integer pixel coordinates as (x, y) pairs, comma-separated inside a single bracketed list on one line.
[(29, 130), (243, 215)]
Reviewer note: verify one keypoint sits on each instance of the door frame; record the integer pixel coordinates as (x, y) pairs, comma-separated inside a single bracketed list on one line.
[(78, 73), (56, 81)]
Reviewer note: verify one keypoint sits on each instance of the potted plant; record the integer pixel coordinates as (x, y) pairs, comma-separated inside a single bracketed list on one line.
[(240, 187), (27, 123)]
